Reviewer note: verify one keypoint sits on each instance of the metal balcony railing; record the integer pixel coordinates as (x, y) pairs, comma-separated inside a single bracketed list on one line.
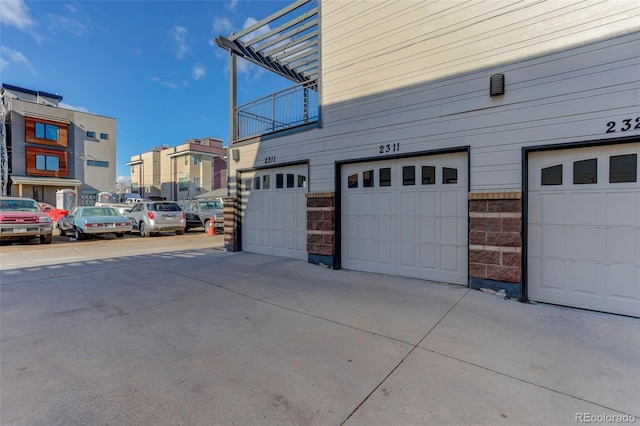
[(278, 111)]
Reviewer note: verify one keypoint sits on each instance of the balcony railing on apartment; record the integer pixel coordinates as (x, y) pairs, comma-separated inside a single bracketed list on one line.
[(292, 107)]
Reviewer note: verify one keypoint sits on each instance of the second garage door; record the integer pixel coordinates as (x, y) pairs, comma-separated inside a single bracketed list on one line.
[(273, 211), (584, 228), (406, 217)]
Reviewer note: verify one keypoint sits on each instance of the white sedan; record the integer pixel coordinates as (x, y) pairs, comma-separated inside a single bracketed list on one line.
[(84, 221)]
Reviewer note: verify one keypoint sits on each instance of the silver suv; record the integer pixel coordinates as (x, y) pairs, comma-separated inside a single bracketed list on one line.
[(205, 213), (153, 217), (22, 219)]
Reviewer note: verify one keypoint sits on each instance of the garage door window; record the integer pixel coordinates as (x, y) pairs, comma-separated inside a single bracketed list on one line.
[(408, 175), (256, 182), (279, 181), (352, 181), (623, 168), (290, 180), (266, 181), (367, 179), (302, 181), (585, 172), (449, 175), (247, 184), (551, 175), (428, 175), (385, 176)]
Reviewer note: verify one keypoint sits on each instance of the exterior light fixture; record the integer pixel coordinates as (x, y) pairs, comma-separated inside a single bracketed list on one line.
[(236, 154)]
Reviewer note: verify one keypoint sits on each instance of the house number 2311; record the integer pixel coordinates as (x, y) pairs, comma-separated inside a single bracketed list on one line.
[(390, 147)]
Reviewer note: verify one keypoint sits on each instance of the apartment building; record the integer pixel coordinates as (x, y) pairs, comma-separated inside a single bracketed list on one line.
[(483, 144), (192, 169), (51, 148)]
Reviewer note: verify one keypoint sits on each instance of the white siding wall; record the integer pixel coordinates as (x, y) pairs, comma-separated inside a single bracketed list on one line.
[(417, 72)]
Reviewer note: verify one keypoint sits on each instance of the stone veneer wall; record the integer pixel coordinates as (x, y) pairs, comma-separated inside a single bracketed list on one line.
[(495, 242), (230, 224), (321, 228)]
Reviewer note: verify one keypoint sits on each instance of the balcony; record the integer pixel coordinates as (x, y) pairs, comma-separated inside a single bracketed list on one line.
[(283, 110)]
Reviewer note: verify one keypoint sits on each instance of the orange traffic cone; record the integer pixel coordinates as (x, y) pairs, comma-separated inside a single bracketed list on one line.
[(211, 227)]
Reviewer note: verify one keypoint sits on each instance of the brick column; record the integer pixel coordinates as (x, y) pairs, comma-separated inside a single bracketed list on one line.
[(495, 242), (321, 228), (230, 224)]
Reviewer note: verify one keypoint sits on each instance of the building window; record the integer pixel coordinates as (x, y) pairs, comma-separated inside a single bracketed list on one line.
[(428, 175), (408, 175), (104, 136), (47, 162), (623, 168), (449, 175), (266, 181), (256, 182), (385, 177), (551, 175), (302, 181), (279, 180), (133, 169), (290, 180), (38, 193), (585, 171), (367, 179), (91, 134), (198, 183), (196, 160), (47, 131), (97, 163), (183, 184), (135, 187), (352, 181), (186, 160)]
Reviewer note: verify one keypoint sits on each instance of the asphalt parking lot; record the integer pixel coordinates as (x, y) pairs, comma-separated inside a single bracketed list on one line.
[(173, 330)]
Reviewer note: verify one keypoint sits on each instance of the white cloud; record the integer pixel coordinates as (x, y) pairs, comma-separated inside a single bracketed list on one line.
[(222, 25), (75, 27), (179, 35), (15, 13), (198, 72), (164, 83), (10, 56), (232, 5)]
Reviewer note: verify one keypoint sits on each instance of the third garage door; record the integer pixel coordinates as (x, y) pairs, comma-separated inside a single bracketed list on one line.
[(406, 217)]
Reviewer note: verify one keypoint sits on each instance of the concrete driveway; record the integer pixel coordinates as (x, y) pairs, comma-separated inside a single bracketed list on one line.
[(205, 337)]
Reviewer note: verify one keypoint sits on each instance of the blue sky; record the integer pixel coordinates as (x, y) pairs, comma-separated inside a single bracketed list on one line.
[(151, 65)]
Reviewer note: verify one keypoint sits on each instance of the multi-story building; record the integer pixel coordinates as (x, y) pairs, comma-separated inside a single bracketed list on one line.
[(485, 144), (51, 148), (175, 173)]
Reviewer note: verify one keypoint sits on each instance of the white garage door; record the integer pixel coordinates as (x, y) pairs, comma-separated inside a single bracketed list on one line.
[(406, 217), (274, 211), (584, 228)]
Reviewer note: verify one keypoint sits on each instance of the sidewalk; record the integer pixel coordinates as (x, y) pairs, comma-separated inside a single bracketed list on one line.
[(236, 338)]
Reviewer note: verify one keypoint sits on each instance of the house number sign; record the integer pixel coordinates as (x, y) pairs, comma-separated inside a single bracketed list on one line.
[(623, 125), (390, 147), (270, 159)]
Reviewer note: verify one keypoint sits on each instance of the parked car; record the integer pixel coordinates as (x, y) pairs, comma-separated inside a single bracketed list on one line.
[(84, 221), (153, 217), (53, 212), (22, 219), (201, 213)]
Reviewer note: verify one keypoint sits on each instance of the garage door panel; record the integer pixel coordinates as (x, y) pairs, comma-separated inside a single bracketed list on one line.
[(617, 283), (584, 234), (585, 240), (583, 277), (553, 240), (408, 238), (583, 209), (622, 209), (620, 244)]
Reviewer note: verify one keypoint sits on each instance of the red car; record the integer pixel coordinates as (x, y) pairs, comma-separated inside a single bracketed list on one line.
[(52, 212)]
